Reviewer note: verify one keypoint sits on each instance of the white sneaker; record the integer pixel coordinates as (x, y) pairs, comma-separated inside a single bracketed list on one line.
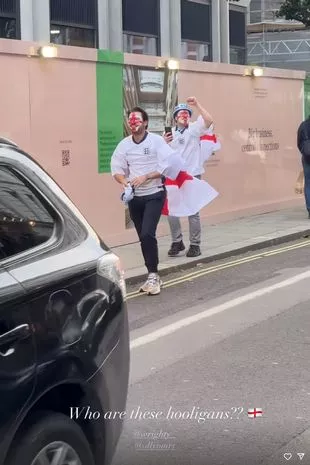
[(152, 285), (145, 286)]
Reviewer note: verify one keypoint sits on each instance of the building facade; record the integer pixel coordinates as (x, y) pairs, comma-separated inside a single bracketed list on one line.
[(202, 30), (263, 10), (276, 42)]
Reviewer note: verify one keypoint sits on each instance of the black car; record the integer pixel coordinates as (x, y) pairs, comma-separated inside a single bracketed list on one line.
[(64, 342)]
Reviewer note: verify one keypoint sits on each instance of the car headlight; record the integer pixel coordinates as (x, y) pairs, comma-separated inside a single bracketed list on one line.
[(110, 267)]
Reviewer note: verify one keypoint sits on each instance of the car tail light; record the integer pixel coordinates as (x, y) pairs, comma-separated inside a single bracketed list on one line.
[(109, 266)]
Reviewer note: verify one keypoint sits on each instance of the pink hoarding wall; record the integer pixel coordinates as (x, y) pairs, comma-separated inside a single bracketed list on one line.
[(50, 110), (49, 107), (256, 120)]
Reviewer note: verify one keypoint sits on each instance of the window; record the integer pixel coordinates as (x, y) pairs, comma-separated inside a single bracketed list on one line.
[(237, 36), (196, 30), (139, 44), (237, 56), (24, 220), (196, 51), (74, 22), (141, 26), (74, 36), (7, 28), (9, 19)]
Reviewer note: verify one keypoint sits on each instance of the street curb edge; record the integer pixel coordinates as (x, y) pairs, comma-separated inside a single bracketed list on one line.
[(132, 280)]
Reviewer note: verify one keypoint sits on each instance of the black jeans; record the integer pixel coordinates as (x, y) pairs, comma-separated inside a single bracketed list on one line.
[(306, 167), (145, 213)]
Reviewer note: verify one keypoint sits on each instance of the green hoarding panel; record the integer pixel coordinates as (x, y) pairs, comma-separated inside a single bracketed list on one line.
[(307, 98), (109, 105)]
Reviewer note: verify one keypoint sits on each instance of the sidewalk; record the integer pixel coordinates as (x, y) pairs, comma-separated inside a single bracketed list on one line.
[(221, 241)]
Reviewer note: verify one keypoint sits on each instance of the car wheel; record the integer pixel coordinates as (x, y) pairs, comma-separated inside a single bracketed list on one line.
[(52, 439)]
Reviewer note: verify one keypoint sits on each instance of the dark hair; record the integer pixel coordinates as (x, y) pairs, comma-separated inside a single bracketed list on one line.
[(144, 114)]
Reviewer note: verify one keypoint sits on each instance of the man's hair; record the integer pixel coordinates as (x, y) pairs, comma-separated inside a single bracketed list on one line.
[(144, 114)]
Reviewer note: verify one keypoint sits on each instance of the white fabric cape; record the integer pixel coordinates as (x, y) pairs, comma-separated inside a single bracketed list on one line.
[(208, 145), (186, 195)]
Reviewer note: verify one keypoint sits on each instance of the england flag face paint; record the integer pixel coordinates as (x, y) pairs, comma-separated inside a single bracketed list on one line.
[(183, 117), (135, 121)]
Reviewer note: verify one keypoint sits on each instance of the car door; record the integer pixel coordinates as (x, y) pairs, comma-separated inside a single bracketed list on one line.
[(56, 262), (17, 355), (38, 237), (27, 235)]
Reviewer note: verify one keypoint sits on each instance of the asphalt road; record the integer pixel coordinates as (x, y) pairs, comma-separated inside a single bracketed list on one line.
[(222, 339)]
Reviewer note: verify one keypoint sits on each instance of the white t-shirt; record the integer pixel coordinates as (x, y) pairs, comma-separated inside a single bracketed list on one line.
[(133, 159), (187, 143)]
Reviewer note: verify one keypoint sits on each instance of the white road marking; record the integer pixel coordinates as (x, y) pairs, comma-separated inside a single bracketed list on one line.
[(171, 328)]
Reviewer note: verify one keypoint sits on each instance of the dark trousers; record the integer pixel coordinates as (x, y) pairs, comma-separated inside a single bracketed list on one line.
[(306, 167), (145, 213)]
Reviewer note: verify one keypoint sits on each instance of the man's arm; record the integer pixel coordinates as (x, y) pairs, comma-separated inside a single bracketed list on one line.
[(121, 179), (300, 136), (138, 181), (208, 120), (119, 167)]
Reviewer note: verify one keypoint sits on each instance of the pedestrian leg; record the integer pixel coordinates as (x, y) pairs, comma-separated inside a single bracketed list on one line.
[(194, 235), (152, 213), (177, 245), (306, 168), (136, 210)]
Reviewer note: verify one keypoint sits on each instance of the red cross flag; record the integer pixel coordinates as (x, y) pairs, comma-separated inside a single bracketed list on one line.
[(255, 412), (209, 144), (186, 195)]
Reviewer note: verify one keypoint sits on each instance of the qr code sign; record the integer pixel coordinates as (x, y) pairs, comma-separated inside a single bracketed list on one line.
[(65, 157)]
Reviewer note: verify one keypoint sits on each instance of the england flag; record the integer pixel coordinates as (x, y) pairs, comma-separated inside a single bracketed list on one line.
[(209, 144), (255, 412), (186, 195)]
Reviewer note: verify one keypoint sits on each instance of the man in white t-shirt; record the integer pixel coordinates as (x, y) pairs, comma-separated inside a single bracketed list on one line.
[(141, 160), (185, 138)]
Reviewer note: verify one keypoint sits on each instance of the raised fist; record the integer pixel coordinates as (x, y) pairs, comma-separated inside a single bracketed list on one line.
[(192, 101)]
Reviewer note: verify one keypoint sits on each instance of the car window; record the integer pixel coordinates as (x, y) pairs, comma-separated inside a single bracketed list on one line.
[(25, 222)]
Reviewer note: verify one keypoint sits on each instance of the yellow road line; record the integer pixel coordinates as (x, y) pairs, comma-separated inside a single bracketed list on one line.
[(297, 246), (223, 266)]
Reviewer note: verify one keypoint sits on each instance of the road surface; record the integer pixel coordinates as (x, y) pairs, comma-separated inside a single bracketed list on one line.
[(222, 343)]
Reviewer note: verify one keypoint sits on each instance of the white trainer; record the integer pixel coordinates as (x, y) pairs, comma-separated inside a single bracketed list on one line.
[(145, 286), (152, 286)]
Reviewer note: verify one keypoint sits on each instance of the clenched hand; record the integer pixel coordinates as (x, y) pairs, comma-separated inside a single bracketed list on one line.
[(137, 182)]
